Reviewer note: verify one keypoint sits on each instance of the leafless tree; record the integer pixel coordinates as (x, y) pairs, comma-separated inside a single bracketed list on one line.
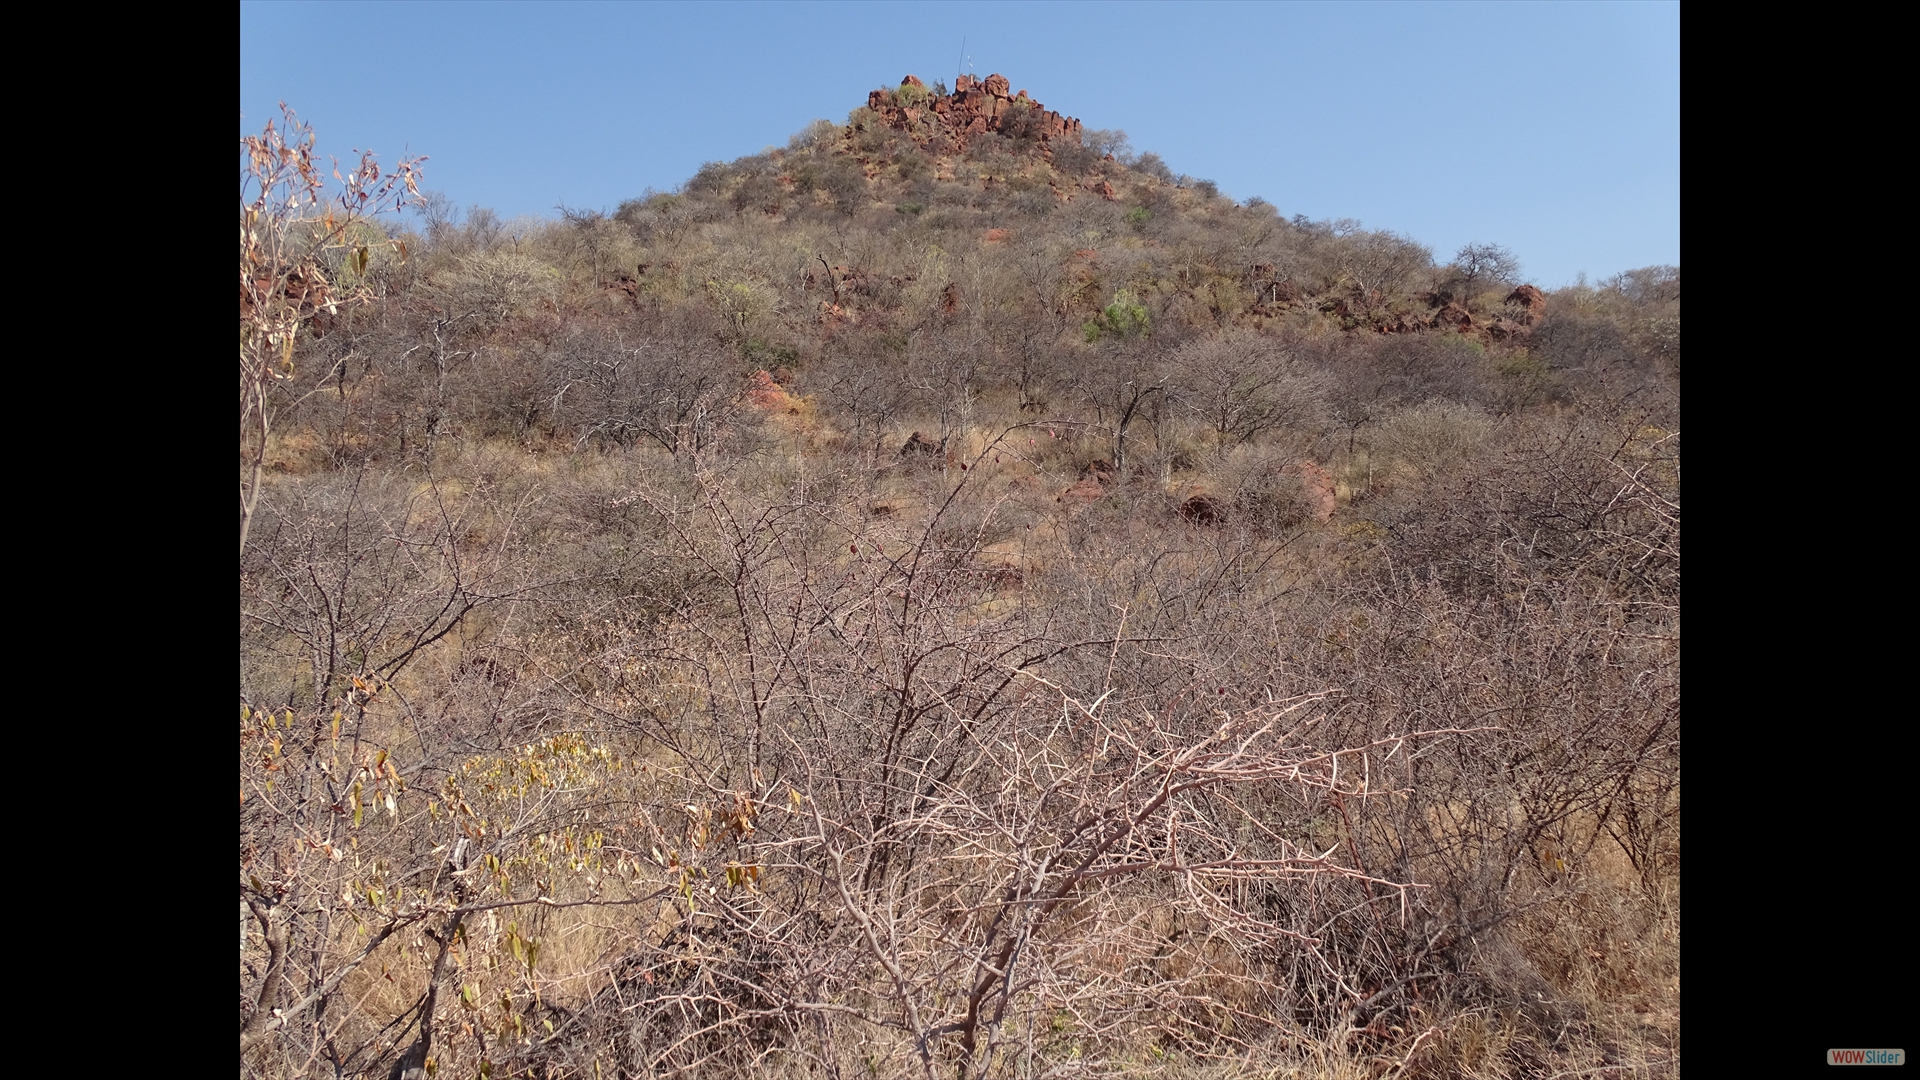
[(1243, 384), (1481, 265)]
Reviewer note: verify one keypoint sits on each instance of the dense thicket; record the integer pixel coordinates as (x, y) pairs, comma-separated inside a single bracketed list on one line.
[(981, 605)]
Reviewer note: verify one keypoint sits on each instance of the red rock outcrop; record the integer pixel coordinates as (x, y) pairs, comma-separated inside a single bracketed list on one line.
[(1454, 315), (1203, 509), (1504, 329), (975, 107), (764, 393), (1532, 299)]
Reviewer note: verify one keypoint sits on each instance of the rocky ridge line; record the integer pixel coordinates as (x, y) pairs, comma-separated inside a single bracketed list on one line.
[(975, 107)]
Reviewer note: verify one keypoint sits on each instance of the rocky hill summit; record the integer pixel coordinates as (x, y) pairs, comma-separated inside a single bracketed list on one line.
[(975, 107)]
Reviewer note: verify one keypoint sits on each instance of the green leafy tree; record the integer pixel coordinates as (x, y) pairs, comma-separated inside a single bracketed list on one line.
[(1125, 318)]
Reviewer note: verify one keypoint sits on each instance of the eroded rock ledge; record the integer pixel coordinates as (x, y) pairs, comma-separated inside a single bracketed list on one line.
[(975, 107)]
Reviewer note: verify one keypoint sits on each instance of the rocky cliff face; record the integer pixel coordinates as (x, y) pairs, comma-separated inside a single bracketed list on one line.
[(975, 107)]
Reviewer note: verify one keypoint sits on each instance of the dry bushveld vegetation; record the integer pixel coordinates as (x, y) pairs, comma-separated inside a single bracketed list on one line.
[(891, 610)]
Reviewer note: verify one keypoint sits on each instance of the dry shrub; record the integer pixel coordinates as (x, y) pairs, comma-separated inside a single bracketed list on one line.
[(1266, 488), (1435, 438)]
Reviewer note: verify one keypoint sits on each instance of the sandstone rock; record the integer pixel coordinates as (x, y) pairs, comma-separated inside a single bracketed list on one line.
[(1503, 328), (764, 393), (1453, 315), (975, 107), (1530, 298)]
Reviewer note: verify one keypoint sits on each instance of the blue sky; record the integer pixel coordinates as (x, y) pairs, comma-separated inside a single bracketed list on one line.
[(1551, 128)]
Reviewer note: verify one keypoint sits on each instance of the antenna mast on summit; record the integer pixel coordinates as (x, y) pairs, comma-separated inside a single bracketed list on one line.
[(962, 66)]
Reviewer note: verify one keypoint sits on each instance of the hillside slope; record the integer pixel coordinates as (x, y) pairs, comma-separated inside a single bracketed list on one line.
[(953, 595)]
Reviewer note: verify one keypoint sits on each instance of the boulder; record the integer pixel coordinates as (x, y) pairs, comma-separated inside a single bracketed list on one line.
[(1453, 315), (1530, 298), (1505, 329), (1203, 509)]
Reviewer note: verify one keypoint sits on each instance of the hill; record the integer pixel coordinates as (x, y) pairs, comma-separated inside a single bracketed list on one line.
[(949, 595)]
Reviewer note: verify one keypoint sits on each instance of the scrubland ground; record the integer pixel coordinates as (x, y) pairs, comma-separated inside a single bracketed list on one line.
[(785, 628)]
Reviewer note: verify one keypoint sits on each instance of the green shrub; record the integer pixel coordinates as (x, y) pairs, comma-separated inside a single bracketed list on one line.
[(1125, 317)]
